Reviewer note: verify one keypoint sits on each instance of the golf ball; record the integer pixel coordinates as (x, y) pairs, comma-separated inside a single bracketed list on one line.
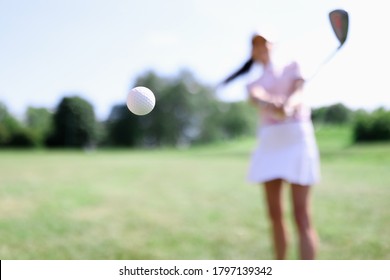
[(140, 100)]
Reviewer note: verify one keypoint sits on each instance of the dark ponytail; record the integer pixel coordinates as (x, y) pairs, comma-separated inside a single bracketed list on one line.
[(243, 70)]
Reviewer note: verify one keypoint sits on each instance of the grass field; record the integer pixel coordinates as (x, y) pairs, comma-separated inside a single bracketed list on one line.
[(184, 204)]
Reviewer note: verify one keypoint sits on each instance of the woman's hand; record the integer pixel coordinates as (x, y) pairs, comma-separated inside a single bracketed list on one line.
[(278, 111)]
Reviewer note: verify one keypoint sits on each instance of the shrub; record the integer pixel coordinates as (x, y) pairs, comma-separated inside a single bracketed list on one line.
[(372, 127)]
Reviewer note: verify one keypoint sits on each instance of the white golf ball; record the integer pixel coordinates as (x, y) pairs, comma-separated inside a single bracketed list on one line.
[(140, 101)]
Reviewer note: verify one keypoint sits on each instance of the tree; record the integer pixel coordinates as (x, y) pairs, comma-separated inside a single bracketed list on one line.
[(123, 128), (333, 114), (74, 124), (239, 119), (40, 123), (337, 114), (13, 133), (5, 133)]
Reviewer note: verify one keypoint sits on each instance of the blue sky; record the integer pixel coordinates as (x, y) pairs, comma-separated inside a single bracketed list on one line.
[(96, 48)]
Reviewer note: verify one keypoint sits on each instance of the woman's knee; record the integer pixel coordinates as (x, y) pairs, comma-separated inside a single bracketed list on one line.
[(301, 206)]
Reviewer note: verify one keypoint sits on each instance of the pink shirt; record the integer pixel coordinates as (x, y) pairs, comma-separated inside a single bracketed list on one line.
[(277, 82)]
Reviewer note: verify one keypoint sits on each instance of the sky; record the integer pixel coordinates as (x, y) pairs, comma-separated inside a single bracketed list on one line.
[(97, 48)]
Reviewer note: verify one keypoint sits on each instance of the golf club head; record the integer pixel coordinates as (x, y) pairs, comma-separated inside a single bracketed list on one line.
[(339, 20)]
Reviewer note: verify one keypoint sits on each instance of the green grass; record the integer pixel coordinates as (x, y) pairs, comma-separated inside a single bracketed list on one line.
[(184, 204)]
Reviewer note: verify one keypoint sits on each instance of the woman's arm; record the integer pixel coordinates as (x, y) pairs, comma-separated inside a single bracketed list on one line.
[(262, 99), (258, 95), (295, 97)]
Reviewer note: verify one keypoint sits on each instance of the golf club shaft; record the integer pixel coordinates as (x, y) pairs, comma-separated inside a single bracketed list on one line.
[(322, 64)]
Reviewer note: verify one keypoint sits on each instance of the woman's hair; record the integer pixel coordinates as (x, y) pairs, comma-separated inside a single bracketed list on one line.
[(243, 70), (248, 64)]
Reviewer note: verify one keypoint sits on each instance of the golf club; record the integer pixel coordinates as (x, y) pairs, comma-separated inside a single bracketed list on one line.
[(339, 21)]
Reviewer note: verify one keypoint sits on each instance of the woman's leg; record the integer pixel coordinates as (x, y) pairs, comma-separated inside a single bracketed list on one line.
[(302, 214), (273, 190)]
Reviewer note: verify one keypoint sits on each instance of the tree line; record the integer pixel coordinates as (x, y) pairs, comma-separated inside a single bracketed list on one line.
[(186, 113), (366, 126)]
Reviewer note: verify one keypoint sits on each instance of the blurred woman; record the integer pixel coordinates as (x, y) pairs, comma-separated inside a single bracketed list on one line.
[(287, 149)]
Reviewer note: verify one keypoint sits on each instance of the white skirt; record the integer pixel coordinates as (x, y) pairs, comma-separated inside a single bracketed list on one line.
[(286, 151)]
